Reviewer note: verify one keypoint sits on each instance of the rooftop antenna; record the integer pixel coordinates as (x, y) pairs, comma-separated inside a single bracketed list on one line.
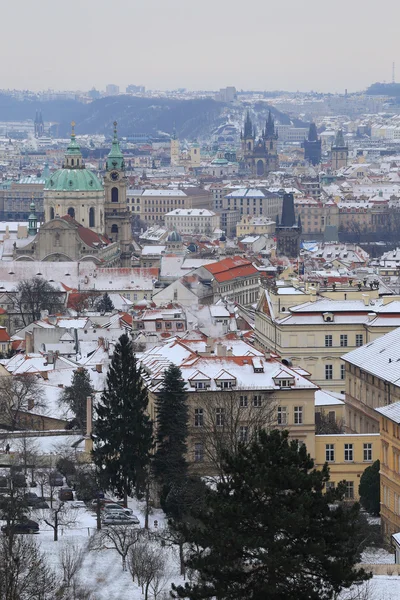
[(393, 72)]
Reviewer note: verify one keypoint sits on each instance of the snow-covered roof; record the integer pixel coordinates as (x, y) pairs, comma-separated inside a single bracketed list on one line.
[(328, 398)]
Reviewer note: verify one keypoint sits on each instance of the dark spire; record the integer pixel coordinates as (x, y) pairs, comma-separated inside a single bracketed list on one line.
[(254, 132), (299, 222), (270, 126), (339, 141), (248, 127), (288, 217), (312, 133)]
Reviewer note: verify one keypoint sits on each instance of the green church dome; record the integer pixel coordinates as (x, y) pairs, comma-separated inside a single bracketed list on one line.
[(73, 177), (73, 180)]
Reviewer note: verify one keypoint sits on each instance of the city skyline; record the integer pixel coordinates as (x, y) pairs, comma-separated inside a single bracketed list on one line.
[(162, 46)]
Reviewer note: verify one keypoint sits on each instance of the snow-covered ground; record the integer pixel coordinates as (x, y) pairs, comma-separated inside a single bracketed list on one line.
[(102, 569)]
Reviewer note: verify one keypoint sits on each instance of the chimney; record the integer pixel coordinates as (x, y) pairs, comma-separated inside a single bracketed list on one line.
[(100, 342), (45, 375), (365, 298), (99, 368), (371, 316), (221, 349), (230, 352), (50, 357)]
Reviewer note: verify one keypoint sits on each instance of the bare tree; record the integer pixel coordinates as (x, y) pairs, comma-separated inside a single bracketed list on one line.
[(119, 537), (60, 516), (24, 573), (32, 296), (230, 418), (327, 423), (28, 451), (18, 394), (146, 564), (71, 559)]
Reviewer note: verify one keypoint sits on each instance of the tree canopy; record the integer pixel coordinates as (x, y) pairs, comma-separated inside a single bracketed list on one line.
[(269, 530), (32, 296), (75, 395)]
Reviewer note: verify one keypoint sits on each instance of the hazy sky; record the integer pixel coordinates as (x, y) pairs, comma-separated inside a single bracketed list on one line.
[(203, 44)]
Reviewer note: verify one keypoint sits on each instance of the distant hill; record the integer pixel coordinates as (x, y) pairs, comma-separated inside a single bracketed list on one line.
[(192, 118), (384, 89)]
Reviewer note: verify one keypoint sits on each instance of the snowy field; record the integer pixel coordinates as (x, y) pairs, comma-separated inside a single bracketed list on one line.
[(102, 571)]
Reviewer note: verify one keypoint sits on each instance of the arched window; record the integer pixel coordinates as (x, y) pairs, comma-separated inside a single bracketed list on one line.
[(51, 212), (71, 212), (260, 167), (114, 228), (91, 217), (249, 146), (114, 194), (72, 162)]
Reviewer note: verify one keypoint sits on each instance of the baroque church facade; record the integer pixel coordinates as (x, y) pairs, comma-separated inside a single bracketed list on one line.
[(85, 218), (260, 155)]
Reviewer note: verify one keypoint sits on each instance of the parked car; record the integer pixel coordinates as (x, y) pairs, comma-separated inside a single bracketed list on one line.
[(25, 526), (66, 494), (40, 504), (103, 502), (117, 508), (31, 498), (56, 478), (119, 519), (78, 504)]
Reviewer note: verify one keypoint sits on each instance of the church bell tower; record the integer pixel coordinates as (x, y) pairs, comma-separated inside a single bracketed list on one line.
[(117, 217)]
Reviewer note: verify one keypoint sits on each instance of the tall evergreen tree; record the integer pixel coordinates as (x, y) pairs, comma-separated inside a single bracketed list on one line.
[(75, 395), (105, 304), (123, 430), (370, 489), (170, 466), (269, 531)]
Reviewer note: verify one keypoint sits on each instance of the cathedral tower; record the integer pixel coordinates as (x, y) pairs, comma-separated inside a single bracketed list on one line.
[(175, 150), (260, 155), (288, 232), (312, 146), (339, 152), (117, 218)]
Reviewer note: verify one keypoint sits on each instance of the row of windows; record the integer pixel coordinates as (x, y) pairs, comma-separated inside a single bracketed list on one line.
[(329, 372), (282, 413), (359, 341), (348, 452)]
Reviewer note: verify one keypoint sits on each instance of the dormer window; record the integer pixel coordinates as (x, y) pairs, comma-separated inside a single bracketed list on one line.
[(328, 317)]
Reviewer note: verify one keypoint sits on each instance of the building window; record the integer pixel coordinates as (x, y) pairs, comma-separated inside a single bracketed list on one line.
[(257, 401), (343, 340), (367, 452), (91, 217), (298, 415), (243, 401), (198, 417), (51, 213), (328, 371), (282, 415), (342, 371), (219, 417), (114, 194), (330, 485), (349, 490), (359, 339), (330, 452), (71, 212), (328, 341), (348, 452), (198, 452), (243, 433)]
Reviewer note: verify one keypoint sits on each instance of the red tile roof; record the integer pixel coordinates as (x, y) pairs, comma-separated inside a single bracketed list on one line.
[(88, 237), (231, 268), (4, 337)]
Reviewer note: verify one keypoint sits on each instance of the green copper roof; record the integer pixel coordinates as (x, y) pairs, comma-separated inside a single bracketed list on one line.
[(115, 159), (72, 180), (73, 147)]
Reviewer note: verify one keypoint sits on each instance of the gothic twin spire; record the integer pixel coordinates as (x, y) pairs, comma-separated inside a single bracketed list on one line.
[(250, 131)]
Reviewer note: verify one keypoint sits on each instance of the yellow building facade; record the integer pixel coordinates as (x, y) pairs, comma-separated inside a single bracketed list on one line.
[(347, 455), (390, 468), (255, 226)]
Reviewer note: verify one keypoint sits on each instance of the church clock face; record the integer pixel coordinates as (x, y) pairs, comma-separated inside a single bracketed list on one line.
[(114, 175)]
